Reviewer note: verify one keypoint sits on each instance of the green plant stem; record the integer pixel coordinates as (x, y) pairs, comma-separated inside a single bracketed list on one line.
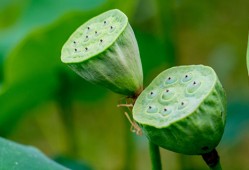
[(155, 156), (212, 160)]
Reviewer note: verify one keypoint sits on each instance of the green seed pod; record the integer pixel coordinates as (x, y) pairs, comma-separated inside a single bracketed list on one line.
[(104, 51), (183, 110)]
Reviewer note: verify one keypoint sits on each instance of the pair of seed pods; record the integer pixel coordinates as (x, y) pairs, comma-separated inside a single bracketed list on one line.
[(184, 107)]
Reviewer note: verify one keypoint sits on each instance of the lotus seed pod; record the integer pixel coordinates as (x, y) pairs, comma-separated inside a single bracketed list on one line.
[(183, 110), (104, 51)]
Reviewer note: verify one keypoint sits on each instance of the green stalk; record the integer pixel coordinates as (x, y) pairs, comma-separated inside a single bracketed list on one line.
[(155, 156), (212, 160), (130, 148)]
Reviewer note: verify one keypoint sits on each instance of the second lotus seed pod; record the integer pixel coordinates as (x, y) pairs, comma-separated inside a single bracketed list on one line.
[(183, 110), (104, 51)]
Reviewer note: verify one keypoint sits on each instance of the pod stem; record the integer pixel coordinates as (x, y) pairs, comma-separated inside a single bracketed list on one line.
[(155, 156), (212, 160)]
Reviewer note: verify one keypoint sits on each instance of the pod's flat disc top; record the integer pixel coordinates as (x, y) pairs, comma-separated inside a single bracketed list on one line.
[(173, 95), (94, 36)]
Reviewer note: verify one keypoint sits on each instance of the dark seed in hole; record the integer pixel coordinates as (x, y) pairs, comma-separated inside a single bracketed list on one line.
[(169, 78), (149, 107), (101, 40), (194, 83), (151, 93), (86, 48), (88, 28), (167, 90), (186, 76), (204, 148), (111, 27), (182, 103), (104, 22), (165, 109), (75, 49), (96, 32), (86, 36), (74, 42)]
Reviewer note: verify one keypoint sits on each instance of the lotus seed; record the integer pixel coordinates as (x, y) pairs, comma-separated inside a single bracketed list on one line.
[(104, 22), (182, 105), (101, 40), (75, 50), (152, 109), (165, 111), (168, 94), (88, 28), (86, 48), (170, 80), (193, 87), (187, 78)]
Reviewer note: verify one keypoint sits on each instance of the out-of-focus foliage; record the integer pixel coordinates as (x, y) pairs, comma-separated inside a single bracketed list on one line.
[(45, 104), (16, 156), (247, 56)]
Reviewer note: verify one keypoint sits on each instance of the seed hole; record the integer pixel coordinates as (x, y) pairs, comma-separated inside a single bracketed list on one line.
[(86, 48), (88, 28), (170, 80), (182, 105), (167, 95), (166, 111), (104, 22), (193, 87), (152, 109), (74, 42), (96, 32), (152, 94), (101, 40), (187, 77), (75, 50)]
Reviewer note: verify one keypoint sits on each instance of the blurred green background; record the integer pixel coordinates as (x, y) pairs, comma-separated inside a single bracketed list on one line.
[(44, 104)]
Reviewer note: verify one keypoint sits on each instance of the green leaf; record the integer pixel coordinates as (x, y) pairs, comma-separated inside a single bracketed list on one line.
[(17, 99), (16, 156)]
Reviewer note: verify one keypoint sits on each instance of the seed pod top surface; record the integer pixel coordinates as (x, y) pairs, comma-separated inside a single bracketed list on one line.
[(183, 109), (94, 36), (104, 51)]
